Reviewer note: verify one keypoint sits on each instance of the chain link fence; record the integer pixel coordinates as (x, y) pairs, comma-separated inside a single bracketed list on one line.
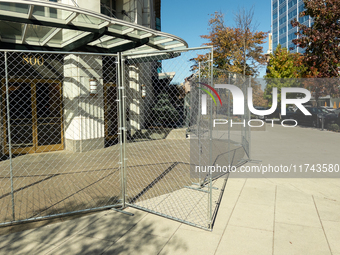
[(59, 116), (220, 140), (86, 131), (168, 135)]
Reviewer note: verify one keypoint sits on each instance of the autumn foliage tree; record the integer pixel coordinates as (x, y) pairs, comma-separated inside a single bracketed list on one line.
[(236, 49), (282, 65), (321, 42)]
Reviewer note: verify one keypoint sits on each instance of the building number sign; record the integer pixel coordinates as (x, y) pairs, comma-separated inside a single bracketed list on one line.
[(31, 60)]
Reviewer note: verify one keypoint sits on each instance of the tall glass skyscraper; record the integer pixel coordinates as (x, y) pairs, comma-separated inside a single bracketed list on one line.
[(283, 12)]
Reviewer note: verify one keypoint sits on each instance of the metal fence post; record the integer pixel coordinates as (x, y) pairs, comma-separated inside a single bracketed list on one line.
[(9, 137), (122, 127), (199, 122), (248, 128), (211, 140), (229, 134)]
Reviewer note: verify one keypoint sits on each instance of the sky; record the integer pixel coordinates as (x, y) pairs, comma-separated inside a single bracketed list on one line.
[(188, 19)]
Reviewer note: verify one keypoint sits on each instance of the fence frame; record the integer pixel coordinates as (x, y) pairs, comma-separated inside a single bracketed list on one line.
[(121, 58), (14, 221)]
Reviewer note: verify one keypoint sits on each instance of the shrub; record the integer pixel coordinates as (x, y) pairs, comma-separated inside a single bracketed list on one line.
[(164, 112), (333, 127)]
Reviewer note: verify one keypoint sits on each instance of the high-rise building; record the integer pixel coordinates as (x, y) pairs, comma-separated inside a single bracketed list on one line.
[(282, 13)]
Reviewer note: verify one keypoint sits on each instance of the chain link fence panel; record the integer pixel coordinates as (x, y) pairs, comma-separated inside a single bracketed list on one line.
[(168, 136), (59, 135), (86, 131), (220, 140), (158, 120)]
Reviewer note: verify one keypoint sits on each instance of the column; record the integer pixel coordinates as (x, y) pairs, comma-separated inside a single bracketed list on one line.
[(83, 111)]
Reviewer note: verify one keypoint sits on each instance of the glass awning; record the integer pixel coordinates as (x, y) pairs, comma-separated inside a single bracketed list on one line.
[(51, 26)]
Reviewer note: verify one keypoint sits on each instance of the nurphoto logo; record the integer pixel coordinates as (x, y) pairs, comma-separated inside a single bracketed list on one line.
[(238, 102)]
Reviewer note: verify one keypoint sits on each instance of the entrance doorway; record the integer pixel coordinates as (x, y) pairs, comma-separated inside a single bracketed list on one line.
[(35, 116)]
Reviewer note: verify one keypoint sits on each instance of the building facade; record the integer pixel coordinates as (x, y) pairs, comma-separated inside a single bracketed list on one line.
[(282, 13), (51, 101)]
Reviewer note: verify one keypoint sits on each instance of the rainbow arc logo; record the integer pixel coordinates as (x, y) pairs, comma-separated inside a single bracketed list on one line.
[(204, 96)]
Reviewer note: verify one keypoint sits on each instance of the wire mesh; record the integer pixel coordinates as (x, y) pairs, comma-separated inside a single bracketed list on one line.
[(89, 131), (59, 134), (164, 120), (220, 140), (157, 149)]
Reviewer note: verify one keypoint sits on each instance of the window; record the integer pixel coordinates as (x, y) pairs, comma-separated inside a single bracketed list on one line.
[(292, 3), (301, 7), (303, 19), (275, 35), (274, 5), (108, 7), (46, 11), (292, 46), (283, 40), (53, 11), (158, 24), (282, 30), (290, 26), (291, 36), (275, 24), (292, 14), (282, 10), (275, 15), (282, 1), (283, 20)]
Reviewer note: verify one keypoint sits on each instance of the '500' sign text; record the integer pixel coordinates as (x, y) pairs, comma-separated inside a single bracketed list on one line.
[(31, 60)]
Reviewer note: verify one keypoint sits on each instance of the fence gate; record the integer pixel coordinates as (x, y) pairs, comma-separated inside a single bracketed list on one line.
[(58, 120), (167, 135)]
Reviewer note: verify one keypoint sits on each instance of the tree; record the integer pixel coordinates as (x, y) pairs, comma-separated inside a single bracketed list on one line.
[(321, 42), (236, 49), (164, 112), (282, 65), (258, 94), (249, 39)]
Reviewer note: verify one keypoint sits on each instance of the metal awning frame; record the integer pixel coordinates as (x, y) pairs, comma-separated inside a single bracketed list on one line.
[(131, 35)]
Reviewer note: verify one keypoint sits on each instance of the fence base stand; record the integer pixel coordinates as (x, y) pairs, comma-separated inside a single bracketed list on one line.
[(121, 211), (188, 187)]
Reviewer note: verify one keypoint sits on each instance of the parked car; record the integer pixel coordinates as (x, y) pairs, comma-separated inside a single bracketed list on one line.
[(316, 117), (328, 108), (290, 114), (336, 111)]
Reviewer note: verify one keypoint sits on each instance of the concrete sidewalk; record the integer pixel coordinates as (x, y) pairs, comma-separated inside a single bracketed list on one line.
[(256, 216)]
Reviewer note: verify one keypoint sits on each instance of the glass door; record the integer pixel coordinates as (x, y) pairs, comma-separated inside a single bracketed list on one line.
[(21, 119), (48, 116), (35, 111)]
